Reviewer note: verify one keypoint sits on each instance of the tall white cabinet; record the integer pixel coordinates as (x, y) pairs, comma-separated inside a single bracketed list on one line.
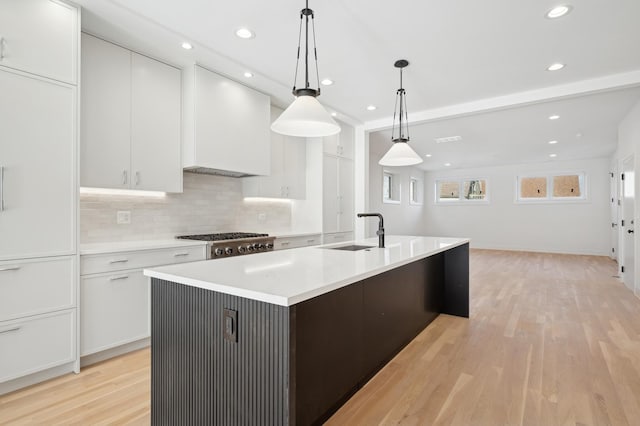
[(338, 213), (131, 120), (38, 191)]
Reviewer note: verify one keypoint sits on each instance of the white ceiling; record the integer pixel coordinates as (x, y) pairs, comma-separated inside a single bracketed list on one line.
[(461, 51), (587, 128)]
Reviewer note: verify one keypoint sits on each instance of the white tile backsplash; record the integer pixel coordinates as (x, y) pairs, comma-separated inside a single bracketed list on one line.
[(208, 204)]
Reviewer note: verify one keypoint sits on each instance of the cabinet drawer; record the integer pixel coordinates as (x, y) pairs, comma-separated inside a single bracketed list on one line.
[(102, 263), (35, 287), (115, 310), (293, 242), (36, 344), (337, 237)]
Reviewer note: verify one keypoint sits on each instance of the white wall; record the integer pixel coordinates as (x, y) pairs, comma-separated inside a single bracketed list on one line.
[(399, 219), (579, 227)]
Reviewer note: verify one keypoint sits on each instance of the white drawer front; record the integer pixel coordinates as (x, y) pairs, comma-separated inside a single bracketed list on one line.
[(35, 287), (338, 237), (101, 263), (36, 344), (115, 310), (293, 242)]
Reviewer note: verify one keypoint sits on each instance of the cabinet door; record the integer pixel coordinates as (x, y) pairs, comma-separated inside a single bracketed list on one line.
[(40, 37), (115, 310), (345, 197), (346, 141), (231, 125), (37, 167), (156, 164), (106, 114), (330, 144), (330, 201), (295, 167)]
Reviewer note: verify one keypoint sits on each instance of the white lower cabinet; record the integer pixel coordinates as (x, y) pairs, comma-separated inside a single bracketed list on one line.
[(115, 310), (282, 243), (33, 344), (115, 297)]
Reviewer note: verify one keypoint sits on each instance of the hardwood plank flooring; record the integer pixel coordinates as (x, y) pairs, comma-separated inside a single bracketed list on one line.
[(552, 340)]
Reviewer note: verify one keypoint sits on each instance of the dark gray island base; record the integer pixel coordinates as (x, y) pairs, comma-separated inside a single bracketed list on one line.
[(290, 365)]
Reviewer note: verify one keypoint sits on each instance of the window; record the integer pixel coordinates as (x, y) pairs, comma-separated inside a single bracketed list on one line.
[(416, 191), (551, 187), (461, 190), (390, 188)]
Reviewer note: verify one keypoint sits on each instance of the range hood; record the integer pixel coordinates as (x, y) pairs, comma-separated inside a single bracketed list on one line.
[(225, 126)]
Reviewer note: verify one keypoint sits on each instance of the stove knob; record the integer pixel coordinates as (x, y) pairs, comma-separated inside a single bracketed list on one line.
[(218, 252), (256, 246), (228, 251), (263, 246), (241, 249), (250, 248), (269, 246)]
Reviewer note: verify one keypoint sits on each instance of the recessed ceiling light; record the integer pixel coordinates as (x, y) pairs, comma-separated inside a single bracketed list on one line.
[(555, 67), (447, 164), (326, 82), (248, 74), (333, 114), (559, 11), (372, 108), (553, 142), (428, 155), (187, 45), (245, 33), (553, 155), (448, 139), (554, 117)]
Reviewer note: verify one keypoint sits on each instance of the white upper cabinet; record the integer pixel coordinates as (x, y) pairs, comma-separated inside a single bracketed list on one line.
[(43, 41), (288, 168), (106, 114), (37, 167), (226, 125), (131, 107), (341, 144), (155, 127)]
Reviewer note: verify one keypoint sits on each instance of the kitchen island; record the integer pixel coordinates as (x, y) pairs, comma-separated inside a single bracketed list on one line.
[(286, 337)]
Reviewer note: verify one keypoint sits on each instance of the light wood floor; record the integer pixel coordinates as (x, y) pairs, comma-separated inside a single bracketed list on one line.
[(552, 339)]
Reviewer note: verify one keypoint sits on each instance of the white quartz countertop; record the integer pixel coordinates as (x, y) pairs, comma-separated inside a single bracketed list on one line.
[(121, 246), (287, 277)]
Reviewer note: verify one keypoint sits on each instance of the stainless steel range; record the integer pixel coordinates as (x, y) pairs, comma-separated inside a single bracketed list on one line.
[(233, 243)]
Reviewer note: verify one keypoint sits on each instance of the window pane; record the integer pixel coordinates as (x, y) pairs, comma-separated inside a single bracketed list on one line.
[(413, 194), (475, 189), (449, 191), (533, 187), (567, 186), (386, 187)]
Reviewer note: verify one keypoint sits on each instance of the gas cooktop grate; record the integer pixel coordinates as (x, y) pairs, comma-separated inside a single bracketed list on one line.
[(222, 236)]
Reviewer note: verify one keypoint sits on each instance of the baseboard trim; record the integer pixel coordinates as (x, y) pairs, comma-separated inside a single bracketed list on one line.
[(550, 251), (114, 352), (35, 378)]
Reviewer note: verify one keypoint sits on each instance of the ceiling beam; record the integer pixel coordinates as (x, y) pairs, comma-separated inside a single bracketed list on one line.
[(578, 88)]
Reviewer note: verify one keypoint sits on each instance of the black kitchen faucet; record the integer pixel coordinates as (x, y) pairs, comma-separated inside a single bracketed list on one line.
[(380, 232)]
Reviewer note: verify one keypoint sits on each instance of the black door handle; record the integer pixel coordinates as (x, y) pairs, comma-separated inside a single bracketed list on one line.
[(630, 231)]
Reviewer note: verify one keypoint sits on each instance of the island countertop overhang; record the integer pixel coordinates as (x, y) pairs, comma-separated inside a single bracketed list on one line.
[(288, 277)]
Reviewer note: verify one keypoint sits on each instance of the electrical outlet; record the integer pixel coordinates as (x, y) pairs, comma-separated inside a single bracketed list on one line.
[(262, 217), (123, 217)]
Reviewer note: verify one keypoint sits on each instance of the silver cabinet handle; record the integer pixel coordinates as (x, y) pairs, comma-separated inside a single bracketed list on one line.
[(181, 254), (10, 268), (2, 48), (311, 241), (285, 243), (124, 177), (119, 277), (118, 261), (10, 329), (1, 188), (137, 178)]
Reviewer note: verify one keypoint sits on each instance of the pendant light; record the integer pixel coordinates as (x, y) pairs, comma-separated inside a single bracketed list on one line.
[(400, 153), (306, 117)]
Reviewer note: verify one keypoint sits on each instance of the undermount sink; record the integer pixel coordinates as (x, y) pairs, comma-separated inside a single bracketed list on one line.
[(351, 247)]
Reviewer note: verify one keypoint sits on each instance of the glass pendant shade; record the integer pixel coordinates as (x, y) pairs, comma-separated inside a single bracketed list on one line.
[(306, 118), (400, 154)]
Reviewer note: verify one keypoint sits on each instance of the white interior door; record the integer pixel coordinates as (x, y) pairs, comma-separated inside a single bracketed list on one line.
[(628, 240), (614, 204)]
